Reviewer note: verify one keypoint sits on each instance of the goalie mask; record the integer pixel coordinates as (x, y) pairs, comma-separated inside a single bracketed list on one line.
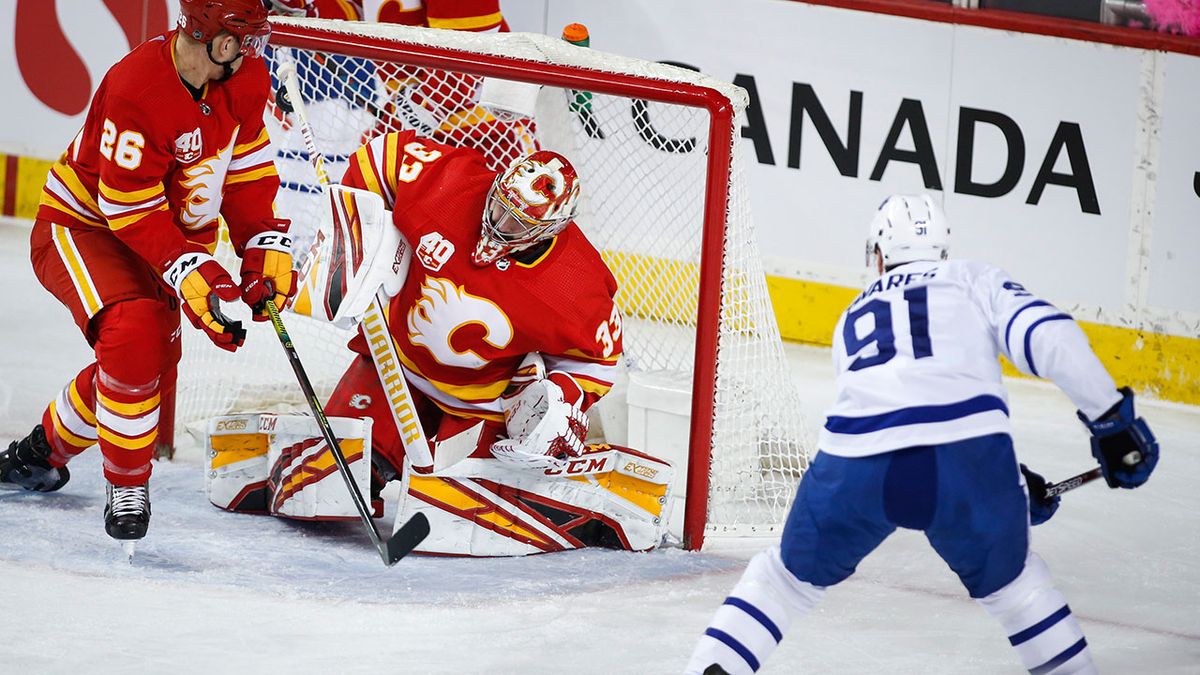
[(533, 200), (244, 19), (907, 228)]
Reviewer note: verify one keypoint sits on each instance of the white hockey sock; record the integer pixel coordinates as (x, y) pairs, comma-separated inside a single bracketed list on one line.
[(746, 629), (1039, 622)]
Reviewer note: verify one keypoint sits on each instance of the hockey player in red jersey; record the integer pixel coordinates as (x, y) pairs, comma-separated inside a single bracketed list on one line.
[(173, 141), (499, 271)]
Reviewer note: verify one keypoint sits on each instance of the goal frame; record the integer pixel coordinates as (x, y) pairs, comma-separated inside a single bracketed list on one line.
[(721, 130)]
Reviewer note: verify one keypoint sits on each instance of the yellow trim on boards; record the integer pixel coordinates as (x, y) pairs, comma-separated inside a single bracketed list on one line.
[(1163, 366)]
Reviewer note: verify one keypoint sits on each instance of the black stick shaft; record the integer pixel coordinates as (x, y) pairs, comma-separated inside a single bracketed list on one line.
[(1055, 489), (326, 430)]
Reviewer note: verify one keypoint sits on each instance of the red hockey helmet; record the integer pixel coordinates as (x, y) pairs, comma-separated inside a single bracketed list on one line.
[(244, 19), (533, 200)]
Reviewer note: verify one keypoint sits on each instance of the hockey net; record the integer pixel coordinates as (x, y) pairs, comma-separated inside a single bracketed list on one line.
[(664, 201)]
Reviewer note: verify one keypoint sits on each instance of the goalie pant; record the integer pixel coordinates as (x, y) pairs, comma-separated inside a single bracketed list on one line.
[(359, 394)]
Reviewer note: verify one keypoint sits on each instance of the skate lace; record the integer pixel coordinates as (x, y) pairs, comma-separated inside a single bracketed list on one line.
[(130, 500)]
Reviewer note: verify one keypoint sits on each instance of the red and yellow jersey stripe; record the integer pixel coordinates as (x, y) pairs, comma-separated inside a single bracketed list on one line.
[(251, 160)]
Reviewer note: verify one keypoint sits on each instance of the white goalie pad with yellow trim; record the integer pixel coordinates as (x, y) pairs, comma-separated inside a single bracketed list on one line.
[(280, 464), (355, 252), (479, 507)]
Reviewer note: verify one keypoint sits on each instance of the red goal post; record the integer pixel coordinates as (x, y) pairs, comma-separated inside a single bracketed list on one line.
[(738, 375)]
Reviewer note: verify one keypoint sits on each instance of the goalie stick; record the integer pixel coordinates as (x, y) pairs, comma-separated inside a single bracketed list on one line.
[(1055, 489), (416, 446), (413, 532)]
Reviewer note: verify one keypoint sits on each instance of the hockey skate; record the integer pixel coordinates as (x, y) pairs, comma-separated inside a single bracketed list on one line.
[(26, 464), (127, 513)]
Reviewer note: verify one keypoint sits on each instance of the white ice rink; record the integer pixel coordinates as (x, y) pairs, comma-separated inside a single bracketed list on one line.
[(211, 592)]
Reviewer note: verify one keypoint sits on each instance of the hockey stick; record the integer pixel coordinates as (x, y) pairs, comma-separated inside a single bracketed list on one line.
[(413, 532), (1055, 489)]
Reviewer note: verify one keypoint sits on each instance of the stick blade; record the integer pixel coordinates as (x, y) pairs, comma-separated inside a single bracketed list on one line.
[(408, 537)]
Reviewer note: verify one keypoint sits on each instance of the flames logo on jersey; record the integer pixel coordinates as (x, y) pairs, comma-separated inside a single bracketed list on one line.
[(205, 183), (445, 308)]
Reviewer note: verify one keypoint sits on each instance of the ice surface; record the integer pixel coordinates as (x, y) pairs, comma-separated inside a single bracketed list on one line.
[(212, 592)]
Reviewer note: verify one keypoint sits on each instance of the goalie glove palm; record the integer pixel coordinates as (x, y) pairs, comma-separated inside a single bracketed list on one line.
[(202, 284), (544, 429), (267, 270)]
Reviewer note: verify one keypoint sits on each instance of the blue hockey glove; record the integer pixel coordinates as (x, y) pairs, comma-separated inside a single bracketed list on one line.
[(1123, 444), (1040, 508)]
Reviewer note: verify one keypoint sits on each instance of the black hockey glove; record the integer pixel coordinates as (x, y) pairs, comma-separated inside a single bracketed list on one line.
[(1041, 508), (1123, 444)]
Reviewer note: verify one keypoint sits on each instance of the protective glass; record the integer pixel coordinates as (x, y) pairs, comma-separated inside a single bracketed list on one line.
[(254, 44)]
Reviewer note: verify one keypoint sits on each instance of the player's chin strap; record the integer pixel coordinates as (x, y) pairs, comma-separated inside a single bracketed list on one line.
[(227, 66)]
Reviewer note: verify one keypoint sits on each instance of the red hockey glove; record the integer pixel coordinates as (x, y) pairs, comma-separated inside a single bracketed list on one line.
[(267, 271), (201, 284)]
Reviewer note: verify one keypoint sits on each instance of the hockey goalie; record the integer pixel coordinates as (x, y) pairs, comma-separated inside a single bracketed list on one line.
[(487, 329)]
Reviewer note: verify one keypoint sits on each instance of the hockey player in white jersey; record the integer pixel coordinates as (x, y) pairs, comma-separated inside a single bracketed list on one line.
[(919, 438)]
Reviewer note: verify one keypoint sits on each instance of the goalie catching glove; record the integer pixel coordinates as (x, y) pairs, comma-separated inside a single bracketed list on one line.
[(201, 284), (267, 270), (546, 426)]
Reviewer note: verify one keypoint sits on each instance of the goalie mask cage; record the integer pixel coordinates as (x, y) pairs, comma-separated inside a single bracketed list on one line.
[(664, 200)]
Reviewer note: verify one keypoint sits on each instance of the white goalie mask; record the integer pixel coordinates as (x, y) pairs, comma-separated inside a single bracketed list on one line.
[(533, 200), (907, 228)]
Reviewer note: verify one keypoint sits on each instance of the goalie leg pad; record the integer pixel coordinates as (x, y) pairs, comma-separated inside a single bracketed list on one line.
[(612, 497), (280, 464)]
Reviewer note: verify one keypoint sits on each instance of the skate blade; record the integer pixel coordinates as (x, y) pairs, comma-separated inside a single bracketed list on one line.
[(129, 546)]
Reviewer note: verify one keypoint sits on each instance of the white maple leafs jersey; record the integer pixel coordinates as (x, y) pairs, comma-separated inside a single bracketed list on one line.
[(916, 358)]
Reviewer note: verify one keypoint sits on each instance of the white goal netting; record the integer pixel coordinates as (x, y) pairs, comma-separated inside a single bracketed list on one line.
[(648, 173)]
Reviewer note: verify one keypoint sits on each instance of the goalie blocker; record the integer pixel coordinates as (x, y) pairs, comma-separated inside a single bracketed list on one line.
[(479, 506)]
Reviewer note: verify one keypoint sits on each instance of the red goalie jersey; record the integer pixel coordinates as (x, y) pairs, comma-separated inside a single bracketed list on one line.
[(463, 329), (157, 167)]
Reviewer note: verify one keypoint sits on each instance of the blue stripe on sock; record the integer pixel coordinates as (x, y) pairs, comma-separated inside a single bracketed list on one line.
[(1039, 627), (1061, 658), (758, 615), (732, 643)]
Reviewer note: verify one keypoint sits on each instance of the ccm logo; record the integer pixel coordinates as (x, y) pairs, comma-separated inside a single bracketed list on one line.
[(231, 425), (641, 470), (578, 466)]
